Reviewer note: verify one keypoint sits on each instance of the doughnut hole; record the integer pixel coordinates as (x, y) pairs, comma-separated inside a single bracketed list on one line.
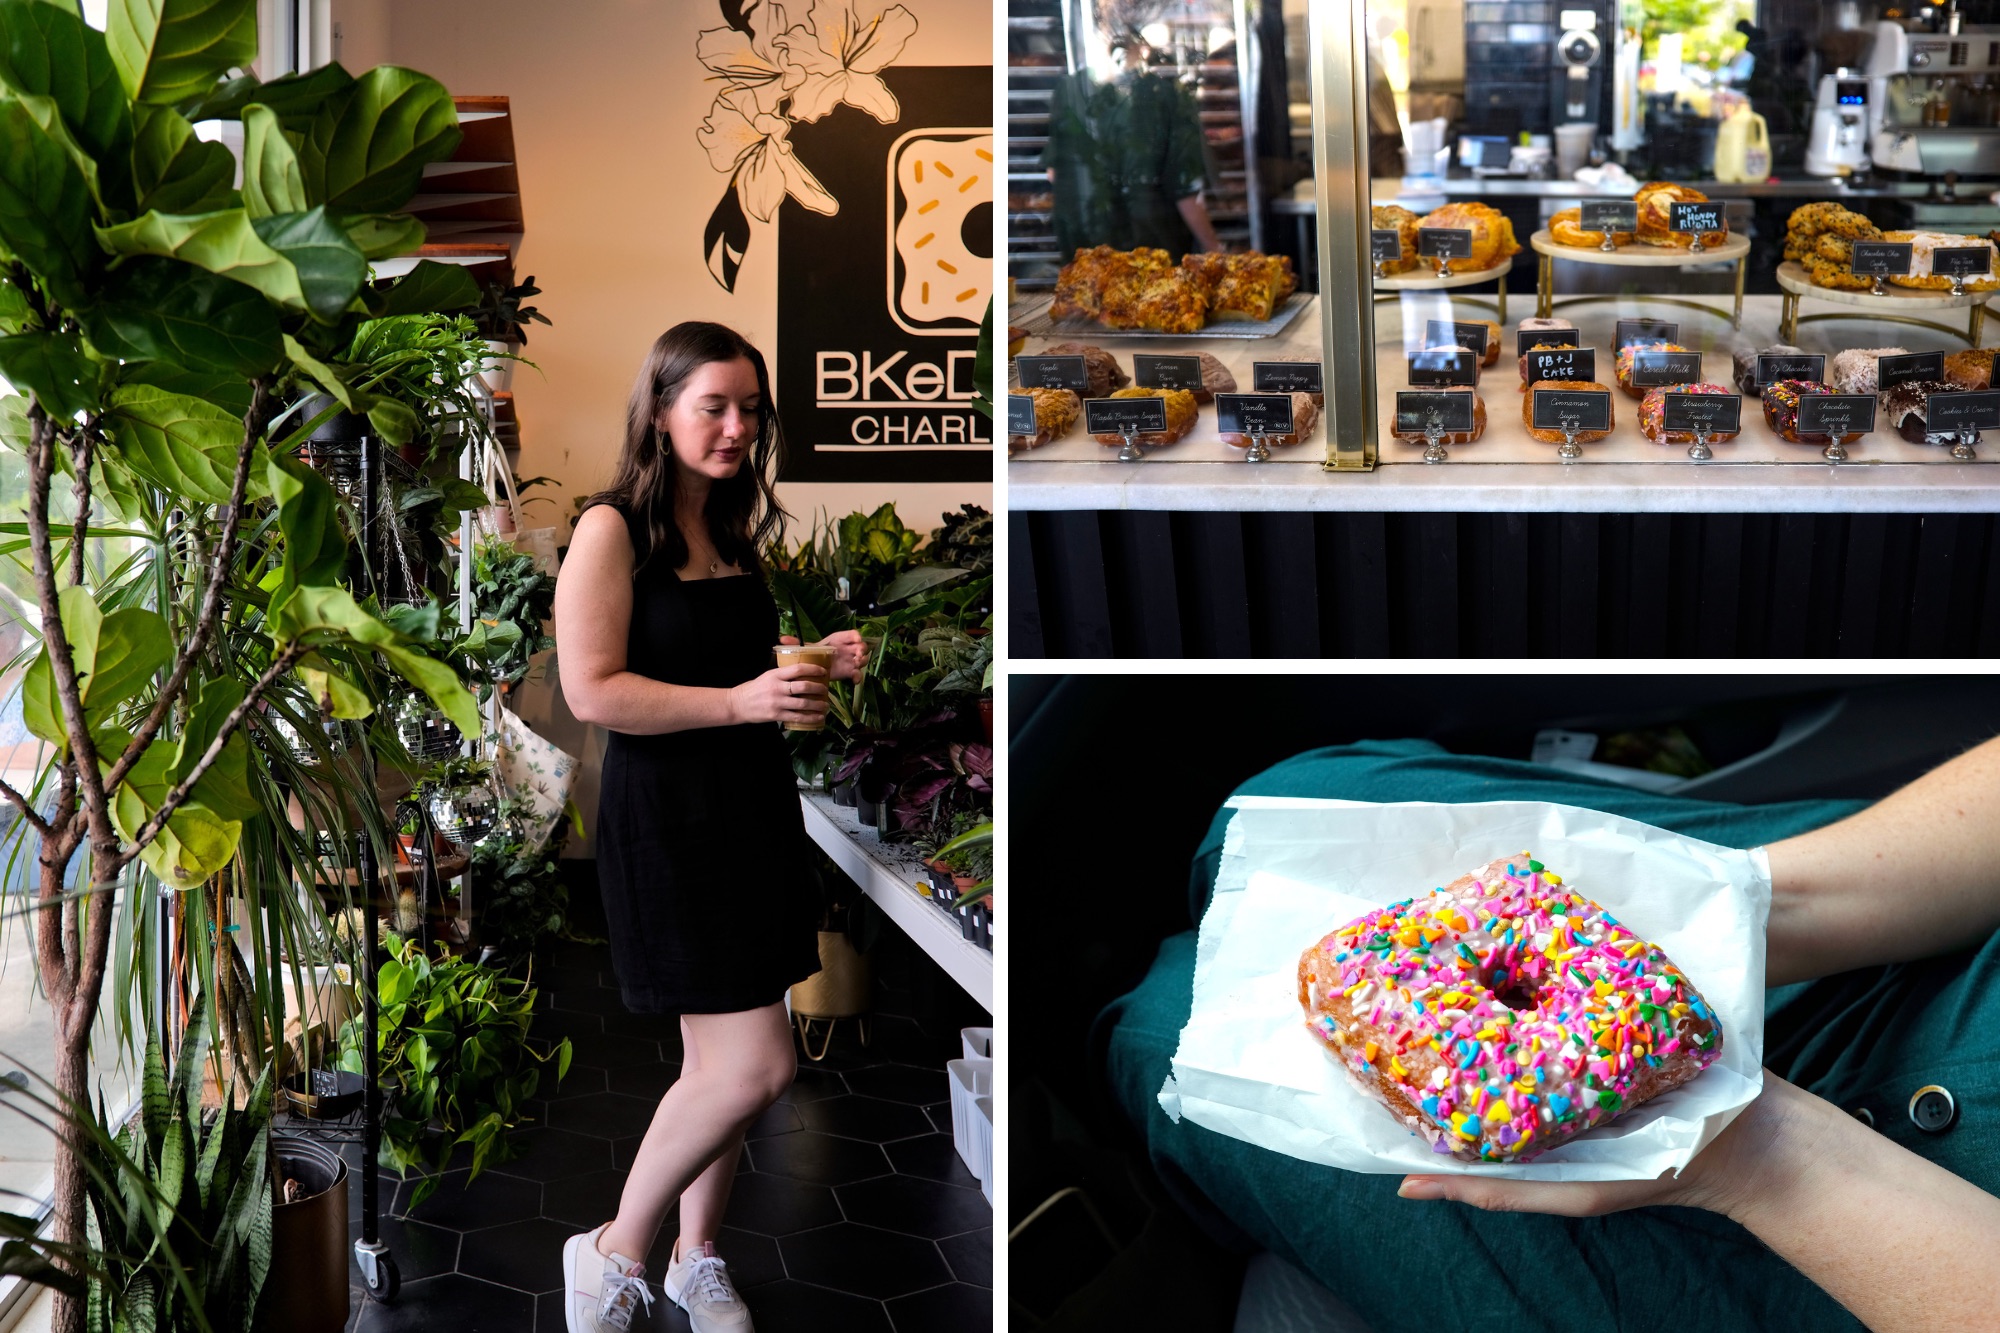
[(1517, 996)]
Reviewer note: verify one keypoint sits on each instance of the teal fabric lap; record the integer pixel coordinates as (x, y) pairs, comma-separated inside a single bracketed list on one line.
[(1866, 1039)]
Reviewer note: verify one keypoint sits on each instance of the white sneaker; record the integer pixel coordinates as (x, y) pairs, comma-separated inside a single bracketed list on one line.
[(699, 1283), (600, 1294)]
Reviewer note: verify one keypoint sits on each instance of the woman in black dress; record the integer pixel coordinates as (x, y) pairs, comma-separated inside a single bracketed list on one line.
[(665, 628)]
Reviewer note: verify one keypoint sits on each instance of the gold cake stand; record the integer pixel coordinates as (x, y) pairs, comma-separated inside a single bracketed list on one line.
[(1397, 283), (1732, 248), (1894, 306)]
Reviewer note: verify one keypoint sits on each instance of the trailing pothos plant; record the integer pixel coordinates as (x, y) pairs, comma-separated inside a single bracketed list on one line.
[(156, 318)]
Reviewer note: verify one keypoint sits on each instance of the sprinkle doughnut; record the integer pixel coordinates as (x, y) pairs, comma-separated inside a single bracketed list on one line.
[(941, 181), (1503, 1014)]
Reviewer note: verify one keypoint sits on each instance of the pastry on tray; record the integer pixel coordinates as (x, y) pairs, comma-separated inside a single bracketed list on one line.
[(1129, 289), (1566, 228), (1628, 354), (1972, 369), (1905, 407), (1656, 200), (1743, 364), (1924, 243), (1056, 410), (1181, 413), (1102, 368), (1249, 285), (1504, 1014), (1493, 240), (1394, 217), (1781, 411)]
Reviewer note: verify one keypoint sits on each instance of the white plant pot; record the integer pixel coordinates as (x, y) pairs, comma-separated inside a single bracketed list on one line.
[(498, 371)]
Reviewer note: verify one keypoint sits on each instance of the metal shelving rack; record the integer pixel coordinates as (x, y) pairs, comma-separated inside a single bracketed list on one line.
[(1039, 54)]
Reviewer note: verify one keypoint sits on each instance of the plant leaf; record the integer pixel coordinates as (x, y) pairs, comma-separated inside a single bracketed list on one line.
[(222, 242), (159, 310), (187, 445), (49, 51), (225, 787), (368, 146), (272, 183), (53, 367), (45, 208), (227, 390), (174, 170), (431, 286), (295, 97), (333, 691), (330, 268), (392, 418), (321, 373), (382, 235), (132, 644), (195, 842), (309, 610), (169, 51), (315, 548)]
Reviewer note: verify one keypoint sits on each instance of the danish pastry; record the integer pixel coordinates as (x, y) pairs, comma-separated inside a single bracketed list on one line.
[(1656, 200), (1181, 412), (1056, 410), (1566, 228)]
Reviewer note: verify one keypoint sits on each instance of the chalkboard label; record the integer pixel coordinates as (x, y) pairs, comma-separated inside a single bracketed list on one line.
[(1610, 215), (1286, 377), (1385, 243), (1413, 412), (1629, 331), (1657, 368), (1590, 408), (1721, 413), (1880, 257), (1053, 372), (1444, 365), (1166, 372), (1110, 416), (1572, 363), (1526, 338), (1771, 369), (1021, 414), (1962, 411), (1254, 413), (1444, 242), (1962, 262), (1837, 414), (1696, 217), (1450, 333), (1890, 370)]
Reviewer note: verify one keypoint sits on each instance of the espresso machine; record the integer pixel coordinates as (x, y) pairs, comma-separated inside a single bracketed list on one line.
[(1838, 145), (1576, 86), (1932, 100)]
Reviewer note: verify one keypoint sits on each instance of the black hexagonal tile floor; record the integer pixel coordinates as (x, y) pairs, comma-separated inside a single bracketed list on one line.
[(581, 1081), (810, 1084), (942, 1309), (421, 1249), (524, 1255), (901, 1083), (777, 1118), (451, 1300), (584, 1200), (778, 1205), (610, 1114), (819, 1158), (753, 1260), (604, 1050), (868, 1118), (552, 1154), (487, 1201), (970, 1256), (933, 1157), (864, 1260), (914, 1206), (789, 1305), (648, 1081)]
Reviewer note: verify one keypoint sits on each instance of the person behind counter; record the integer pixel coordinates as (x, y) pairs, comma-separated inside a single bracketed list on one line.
[(1126, 156)]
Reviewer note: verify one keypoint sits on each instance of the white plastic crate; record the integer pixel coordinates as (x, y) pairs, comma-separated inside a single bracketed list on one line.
[(972, 1114), (978, 1043)]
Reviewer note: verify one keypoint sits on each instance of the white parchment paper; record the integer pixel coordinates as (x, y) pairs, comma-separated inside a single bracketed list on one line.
[(1294, 869)]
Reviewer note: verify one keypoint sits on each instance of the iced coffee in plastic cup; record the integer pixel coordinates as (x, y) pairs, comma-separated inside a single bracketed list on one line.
[(810, 654)]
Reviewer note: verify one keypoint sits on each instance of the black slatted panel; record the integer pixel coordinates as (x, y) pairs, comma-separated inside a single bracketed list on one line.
[(1446, 585)]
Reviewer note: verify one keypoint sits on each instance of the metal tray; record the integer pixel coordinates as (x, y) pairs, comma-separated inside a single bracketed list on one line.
[(1032, 313)]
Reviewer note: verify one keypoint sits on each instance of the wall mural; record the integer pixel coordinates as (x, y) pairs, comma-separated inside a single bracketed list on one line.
[(885, 260)]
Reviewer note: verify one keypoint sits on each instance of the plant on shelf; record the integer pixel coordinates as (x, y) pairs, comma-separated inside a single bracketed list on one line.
[(503, 313), (453, 1034), (972, 848), (523, 894), (513, 601), (189, 574), (964, 540)]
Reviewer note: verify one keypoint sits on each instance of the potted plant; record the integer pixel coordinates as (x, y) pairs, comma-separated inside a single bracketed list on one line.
[(502, 317), (844, 985), (523, 893)]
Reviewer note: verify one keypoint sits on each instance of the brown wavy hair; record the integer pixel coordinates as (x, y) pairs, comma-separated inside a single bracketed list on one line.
[(743, 513)]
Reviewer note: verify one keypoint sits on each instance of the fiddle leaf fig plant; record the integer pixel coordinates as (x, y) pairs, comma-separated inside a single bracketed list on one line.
[(156, 322)]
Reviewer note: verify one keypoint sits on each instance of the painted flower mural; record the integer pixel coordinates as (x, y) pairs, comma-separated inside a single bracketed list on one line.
[(776, 74)]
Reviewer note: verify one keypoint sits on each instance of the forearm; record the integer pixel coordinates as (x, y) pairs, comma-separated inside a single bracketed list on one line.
[(1195, 213), (640, 706), (1869, 1222), (1913, 876)]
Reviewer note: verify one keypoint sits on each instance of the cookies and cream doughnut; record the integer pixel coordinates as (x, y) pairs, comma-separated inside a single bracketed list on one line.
[(1904, 409), (1566, 228), (1056, 410), (942, 181), (1854, 370), (1504, 1014), (1653, 413)]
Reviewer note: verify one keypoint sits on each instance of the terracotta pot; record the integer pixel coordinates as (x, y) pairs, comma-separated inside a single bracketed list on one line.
[(306, 1288), (842, 986)]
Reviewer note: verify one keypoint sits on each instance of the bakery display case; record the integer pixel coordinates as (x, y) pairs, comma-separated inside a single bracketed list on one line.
[(1501, 318)]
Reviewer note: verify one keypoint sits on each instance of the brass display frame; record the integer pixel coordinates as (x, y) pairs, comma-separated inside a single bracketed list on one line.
[(1338, 34)]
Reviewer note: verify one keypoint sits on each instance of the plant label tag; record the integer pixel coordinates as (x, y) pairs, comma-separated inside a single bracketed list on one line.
[(1287, 377), (1629, 331), (1450, 333), (1254, 413), (1385, 243), (1718, 413), (1963, 261), (1696, 217), (1444, 365), (1571, 363), (1771, 369), (1053, 372), (1414, 411), (1111, 416), (1656, 368), (1892, 370), (1610, 215), (1837, 414), (1962, 411), (1444, 242), (1586, 409), (1021, 414), (1166, 372), (1526, 338), (1885, 258)]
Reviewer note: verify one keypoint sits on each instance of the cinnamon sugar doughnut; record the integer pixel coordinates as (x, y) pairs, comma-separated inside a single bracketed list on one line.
[(1504, 1014)]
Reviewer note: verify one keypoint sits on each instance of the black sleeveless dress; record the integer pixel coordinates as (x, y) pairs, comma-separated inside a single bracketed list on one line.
[(710, 888)]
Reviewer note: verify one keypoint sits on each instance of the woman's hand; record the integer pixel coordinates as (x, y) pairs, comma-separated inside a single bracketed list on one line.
[(1742, 1165), (850, 653), (790, 694)]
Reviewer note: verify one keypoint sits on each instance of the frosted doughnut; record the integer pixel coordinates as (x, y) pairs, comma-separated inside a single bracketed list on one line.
[(1503, 1014), (942, 181)]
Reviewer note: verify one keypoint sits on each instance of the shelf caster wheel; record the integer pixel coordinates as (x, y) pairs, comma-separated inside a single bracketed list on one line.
[(379, 1272)]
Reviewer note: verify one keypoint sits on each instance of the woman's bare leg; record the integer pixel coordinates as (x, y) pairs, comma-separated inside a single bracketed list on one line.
[(737, 1065), (705, 1201)]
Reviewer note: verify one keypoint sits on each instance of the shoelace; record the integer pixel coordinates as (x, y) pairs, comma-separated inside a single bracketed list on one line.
[(709, 1283), (620, 1295)]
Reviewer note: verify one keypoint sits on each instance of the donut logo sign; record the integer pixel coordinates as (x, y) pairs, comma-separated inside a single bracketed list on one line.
[(940, 230)]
